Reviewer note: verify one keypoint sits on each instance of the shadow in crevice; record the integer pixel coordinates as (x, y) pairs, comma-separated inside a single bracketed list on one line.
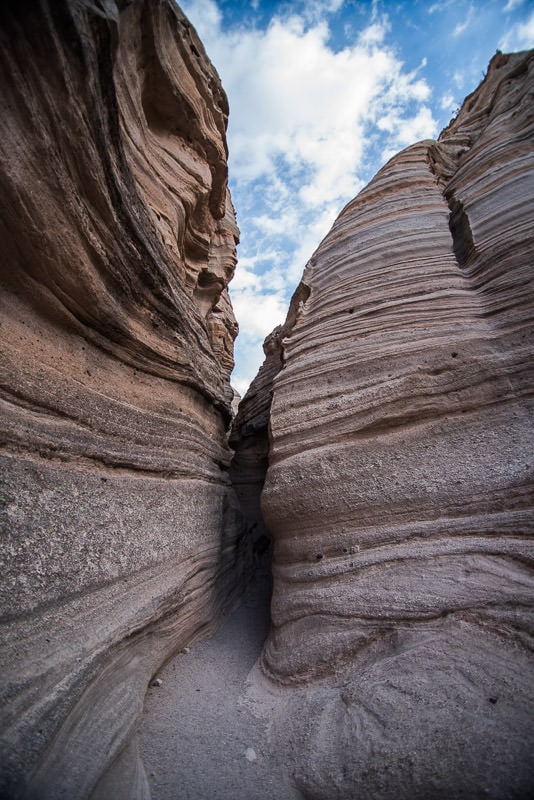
[(462, 235), (247, 473), (250, 439)]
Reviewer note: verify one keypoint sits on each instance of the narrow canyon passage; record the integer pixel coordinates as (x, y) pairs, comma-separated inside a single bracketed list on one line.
[(388, 435), (199, 737)]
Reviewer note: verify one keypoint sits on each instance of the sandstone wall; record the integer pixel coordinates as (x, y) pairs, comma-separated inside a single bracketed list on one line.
[(249, 435), (120, 538), (399, 488)]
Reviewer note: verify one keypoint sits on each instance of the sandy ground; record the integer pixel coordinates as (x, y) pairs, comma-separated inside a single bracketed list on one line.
[(201, 737)]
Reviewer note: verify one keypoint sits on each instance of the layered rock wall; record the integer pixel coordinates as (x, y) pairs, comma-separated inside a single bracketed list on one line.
[(249, 436), (399, 487), (120, 535)]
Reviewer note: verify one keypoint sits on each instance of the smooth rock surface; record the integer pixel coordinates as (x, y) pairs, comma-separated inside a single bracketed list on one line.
[(399, 487), (120, 534)]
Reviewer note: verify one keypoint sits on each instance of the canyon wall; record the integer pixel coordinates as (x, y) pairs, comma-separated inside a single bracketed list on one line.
[(120, 536), (399, 486), (386, 443)]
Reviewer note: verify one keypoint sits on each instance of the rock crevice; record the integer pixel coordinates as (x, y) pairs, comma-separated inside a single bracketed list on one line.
[(385, 445)]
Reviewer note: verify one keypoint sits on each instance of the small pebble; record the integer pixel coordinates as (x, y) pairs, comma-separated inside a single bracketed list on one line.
[(186, 650), (157, 682), (250, 754)]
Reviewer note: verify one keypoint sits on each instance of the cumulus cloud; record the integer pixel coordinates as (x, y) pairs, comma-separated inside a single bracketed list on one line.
[(299, 106), (301, 128), (258, 312)]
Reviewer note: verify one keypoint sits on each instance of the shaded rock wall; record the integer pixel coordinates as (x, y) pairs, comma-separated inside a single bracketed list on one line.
[(120, 535), (249, 436), (399, 488)]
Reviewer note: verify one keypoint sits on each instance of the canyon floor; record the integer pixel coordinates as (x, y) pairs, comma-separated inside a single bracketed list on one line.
[(205, 729)]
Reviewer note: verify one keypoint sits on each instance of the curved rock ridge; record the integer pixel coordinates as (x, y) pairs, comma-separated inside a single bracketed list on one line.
[(399, 487), (121, 540)]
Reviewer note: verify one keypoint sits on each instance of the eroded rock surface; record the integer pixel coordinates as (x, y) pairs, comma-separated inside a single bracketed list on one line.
[(399, 488), (120, 533), (250, 430)]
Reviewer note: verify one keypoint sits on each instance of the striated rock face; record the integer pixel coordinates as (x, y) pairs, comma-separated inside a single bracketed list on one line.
[(119, 530), (249, 436), (399, 488)]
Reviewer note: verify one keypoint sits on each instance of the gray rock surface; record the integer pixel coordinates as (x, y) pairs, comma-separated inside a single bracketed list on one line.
[(394, 413), (120, 534), (399, 488)]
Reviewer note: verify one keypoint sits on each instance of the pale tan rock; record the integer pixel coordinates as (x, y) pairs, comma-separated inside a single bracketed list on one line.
[(399, 488), (120, 531)]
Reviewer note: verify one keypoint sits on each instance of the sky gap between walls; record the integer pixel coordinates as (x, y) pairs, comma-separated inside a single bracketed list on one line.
[(322, 93)]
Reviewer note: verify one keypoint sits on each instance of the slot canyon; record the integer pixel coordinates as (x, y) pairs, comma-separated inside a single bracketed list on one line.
[(376, 478)]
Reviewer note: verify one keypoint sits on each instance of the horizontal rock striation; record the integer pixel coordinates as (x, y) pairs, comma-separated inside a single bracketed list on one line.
[(249, 436), (120, 534), (399, 488)]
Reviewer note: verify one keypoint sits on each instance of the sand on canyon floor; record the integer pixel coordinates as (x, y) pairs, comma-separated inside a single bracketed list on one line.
[(203, 735)]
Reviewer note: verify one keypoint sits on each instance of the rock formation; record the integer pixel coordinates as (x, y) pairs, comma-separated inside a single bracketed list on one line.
[(398, 395), (120, 538), (249, 435), (399, 487)]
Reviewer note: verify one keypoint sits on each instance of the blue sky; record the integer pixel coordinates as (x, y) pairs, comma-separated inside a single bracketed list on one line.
[(321, 94)]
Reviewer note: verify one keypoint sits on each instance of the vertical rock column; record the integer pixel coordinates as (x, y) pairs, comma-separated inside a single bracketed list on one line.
[(399, 488), (119, 529)]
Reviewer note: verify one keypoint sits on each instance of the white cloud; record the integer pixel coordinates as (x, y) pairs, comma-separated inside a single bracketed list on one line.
[(314, 10), (520, 36), (463, 26), (511, 5), (313, 234), (240, 385), (422, 126), (301, 116), (207, 17), (374, 34), (258, 313), (407, 131), (292, 97), (459, 79), (276, 224), (439, 6), (447, 102)]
